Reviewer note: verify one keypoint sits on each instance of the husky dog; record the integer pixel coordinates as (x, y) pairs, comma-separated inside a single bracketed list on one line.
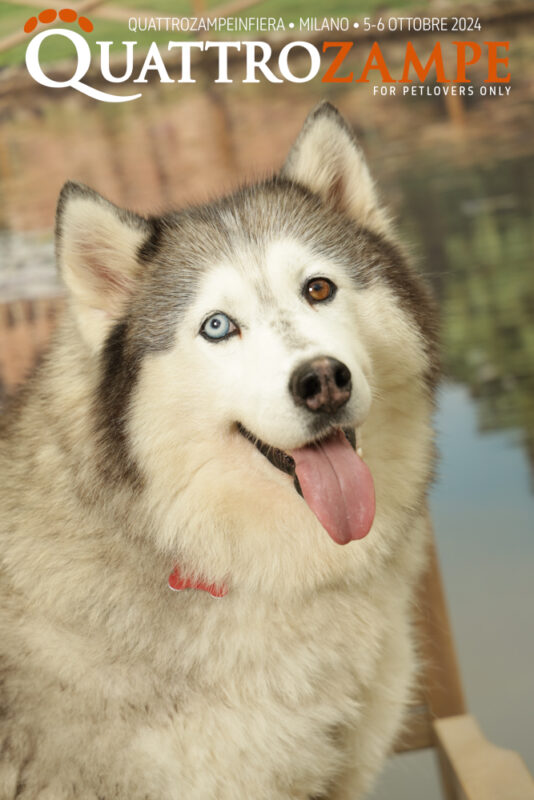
[(230, 388)]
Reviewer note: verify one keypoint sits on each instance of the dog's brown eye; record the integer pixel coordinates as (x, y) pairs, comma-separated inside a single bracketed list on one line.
[(319, 289)]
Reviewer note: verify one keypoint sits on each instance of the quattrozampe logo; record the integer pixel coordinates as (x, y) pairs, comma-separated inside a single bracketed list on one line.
[(296, 62), (257, 54)]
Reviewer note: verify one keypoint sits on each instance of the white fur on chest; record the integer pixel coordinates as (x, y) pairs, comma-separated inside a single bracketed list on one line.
[(272, 694)]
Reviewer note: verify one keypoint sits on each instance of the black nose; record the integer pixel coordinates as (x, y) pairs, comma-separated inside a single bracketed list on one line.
[(322, 384)]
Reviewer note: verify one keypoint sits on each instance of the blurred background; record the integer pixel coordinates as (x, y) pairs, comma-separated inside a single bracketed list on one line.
[(458, 173)]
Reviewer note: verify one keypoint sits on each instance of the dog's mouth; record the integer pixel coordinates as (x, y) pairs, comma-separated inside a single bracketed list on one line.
[(278, 458), (332, 478)]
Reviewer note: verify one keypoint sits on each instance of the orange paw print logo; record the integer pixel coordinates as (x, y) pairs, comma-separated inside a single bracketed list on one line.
[(65, 15)]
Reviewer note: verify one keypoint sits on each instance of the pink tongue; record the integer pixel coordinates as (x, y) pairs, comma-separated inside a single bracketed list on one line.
[(337, 486)]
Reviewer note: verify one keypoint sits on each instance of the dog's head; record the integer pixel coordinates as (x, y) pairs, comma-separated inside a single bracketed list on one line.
[(247, 348)]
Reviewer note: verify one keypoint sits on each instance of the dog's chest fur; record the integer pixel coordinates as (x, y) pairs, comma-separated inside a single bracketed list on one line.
[(270, 688)]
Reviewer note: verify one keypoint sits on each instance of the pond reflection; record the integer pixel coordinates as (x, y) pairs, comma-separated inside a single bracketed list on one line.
[(474, 227)]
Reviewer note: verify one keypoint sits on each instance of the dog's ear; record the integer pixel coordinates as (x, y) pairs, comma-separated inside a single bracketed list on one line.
[(97, 247), (327, 160)]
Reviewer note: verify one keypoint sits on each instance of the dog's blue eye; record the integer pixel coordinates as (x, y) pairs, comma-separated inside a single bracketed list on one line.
[(218, 326)]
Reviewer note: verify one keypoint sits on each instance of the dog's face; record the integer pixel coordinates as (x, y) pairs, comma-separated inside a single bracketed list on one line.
[(247, 348), (274, 341), (272, 354)]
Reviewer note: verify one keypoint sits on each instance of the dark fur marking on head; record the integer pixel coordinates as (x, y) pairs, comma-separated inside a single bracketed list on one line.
[(189, 242), (119, 374), (149, 249)]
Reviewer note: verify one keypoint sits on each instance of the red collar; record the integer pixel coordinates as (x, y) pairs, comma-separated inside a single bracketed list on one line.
[(178, 583)]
